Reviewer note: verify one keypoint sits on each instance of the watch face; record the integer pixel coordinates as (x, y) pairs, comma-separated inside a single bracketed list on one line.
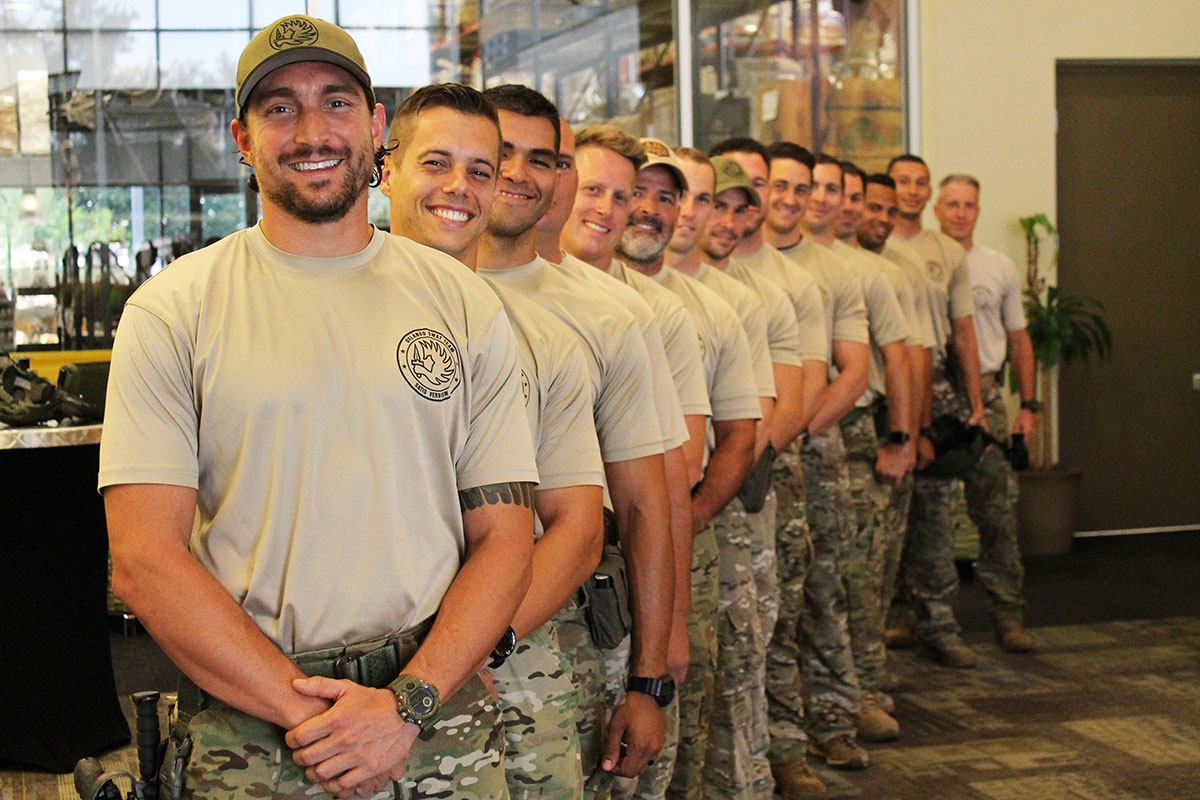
[(422, 701)]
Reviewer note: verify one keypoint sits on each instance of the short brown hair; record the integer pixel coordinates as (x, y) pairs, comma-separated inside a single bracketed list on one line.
[(453, 96), (613, 138)]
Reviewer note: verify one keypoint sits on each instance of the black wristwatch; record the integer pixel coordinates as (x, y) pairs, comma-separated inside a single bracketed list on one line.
[(504, 648), (418, 702), (804, 437), (898, 437), (1031, 405), (661, 689), (926, 433)]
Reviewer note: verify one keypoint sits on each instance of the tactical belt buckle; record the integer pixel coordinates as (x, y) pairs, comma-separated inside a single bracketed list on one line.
[(375, 668)]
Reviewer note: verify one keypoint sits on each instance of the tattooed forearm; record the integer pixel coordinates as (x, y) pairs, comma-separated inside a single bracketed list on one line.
[(517, 494)]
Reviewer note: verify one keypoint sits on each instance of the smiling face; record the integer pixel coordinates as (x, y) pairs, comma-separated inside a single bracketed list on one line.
[(652, 216), (696, 206), (957, 210), (852, 206), (912, 187), (879, 216), (565, 184), (727, 225), (310, 135), (787, 195), (824, 199), (759, 174), (527, 174), (602, 204), (442, 187)]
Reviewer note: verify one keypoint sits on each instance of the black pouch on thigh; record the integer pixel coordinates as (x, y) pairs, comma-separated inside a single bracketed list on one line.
[(605, 595), (753, 493)]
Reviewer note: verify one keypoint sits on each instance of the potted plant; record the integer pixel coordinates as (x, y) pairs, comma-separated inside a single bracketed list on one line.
[(1064, 330)]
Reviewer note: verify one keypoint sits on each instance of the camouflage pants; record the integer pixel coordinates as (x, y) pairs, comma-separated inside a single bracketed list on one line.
[(895, 528), (655, 778), (864, 566), (587, 671), (827, 662), (930, 579), (991, 491), (694, 697), (794, 556), (736, 763), (537, 703), (237, 755), (766, 575)]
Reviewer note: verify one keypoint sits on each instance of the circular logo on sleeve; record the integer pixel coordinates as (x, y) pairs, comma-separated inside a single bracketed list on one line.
[(429, 361)]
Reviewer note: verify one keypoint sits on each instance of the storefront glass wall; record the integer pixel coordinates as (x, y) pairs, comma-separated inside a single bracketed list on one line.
[(115, 155)]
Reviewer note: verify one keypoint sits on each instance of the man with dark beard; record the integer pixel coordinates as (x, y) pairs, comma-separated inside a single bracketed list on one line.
[(294, 411)]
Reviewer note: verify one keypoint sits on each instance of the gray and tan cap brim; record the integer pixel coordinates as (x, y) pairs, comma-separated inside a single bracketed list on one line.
[(296, 38), (659, 155), (731, 175)]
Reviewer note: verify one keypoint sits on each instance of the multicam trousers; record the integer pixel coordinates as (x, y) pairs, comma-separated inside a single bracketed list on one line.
[(827, 662), (864, 566), (766, 574), (794, 556), (237, 755), (537, 703), (587, 671), (736, 763)]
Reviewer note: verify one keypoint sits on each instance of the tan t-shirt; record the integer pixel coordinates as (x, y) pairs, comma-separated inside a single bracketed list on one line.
[(885, 319), (679, 337), (557, 393), (804, 293), (725, 348), (666, 391), (783, 334), (996, 290), (841, 291), (753, 316), (618, 365), (944, 263), (327, 411), (902, 258)]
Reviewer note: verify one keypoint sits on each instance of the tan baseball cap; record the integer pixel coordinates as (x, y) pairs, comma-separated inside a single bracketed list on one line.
[(731, 175), (658, 154), (296, 38)]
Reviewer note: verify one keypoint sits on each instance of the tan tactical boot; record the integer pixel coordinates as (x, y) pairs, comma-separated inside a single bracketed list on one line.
[(903, 630), (874, 724), (888, 680), (885, 701), (1012, 636), (840, 752), (795, 780), (953, 652)]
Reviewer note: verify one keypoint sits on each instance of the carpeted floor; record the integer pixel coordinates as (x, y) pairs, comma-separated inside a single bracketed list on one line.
[(1108, 708)]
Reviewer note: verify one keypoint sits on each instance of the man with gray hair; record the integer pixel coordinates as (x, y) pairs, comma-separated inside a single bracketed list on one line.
[(991, 487)]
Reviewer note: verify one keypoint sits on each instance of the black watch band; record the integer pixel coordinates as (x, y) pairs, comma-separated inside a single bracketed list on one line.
[(504, 648), (661, 689), (926, 433), (1031, 405), (804, 437), (898, 437)]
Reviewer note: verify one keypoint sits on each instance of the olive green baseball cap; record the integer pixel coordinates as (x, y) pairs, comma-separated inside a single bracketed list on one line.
[(658, 154), (731, 175), (289, 40)]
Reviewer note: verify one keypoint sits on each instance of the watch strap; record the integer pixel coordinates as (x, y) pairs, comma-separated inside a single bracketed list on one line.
[(418, 702)]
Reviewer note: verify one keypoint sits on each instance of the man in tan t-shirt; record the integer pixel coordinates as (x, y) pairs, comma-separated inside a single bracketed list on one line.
[(441, 192), (929, 576), (289, 496)]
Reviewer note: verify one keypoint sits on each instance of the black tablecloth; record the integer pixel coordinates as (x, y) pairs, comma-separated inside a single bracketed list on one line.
[(58, 701)]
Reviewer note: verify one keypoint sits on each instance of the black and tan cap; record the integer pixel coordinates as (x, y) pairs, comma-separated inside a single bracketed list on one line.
[(296, 38), (731, 175), (659, 155)]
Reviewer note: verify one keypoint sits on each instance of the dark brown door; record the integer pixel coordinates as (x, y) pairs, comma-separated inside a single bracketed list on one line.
[(1128, 183)]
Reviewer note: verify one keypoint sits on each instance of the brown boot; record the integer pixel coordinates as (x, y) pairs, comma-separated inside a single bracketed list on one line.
[(888, 680), (953, 652), (840, 752), (903, 630), (795, 780), (874, 724), (1012, 636), (885, 701)]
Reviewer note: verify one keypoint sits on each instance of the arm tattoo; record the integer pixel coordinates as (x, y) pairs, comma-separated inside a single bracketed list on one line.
[(513, 493)]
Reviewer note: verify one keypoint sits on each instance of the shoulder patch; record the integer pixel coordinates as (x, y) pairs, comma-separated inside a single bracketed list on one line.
[(430, 362)]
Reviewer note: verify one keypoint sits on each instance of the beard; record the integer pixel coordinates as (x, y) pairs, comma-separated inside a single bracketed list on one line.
[(288, 196), (505, 224), (644, 247)]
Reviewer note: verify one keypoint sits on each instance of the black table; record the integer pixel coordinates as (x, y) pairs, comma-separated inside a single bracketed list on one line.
[(58, 701)]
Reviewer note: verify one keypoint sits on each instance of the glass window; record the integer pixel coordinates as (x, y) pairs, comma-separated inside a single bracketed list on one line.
[(113, 60), (209, 15), (30, 15), (118, 15), (267, 11), (28, 51), (394, 57), (201, 59), (383, 14)]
